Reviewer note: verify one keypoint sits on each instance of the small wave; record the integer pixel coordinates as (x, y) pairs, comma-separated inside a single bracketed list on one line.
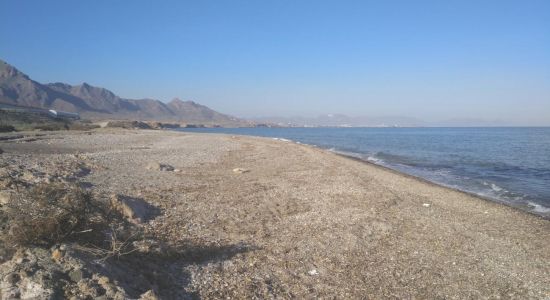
[(496, 188), (395, 159), (375, 160), (282, 139), (539, 208)]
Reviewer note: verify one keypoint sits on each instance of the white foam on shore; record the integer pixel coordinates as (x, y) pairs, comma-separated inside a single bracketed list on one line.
[(492, 191), (282, 140), (375, 160), (350, 154), (539, 208), (496, 188)]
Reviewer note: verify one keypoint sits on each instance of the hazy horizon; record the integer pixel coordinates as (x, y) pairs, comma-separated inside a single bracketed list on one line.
[(429, 60)]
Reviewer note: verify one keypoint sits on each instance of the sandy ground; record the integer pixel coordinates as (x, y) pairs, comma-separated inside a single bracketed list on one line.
[(304, 222)]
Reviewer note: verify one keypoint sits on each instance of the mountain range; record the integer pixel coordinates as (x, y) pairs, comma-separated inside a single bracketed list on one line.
[(17, 88)]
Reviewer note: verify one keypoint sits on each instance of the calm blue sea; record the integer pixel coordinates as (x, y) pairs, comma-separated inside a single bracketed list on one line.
[(510, 165)]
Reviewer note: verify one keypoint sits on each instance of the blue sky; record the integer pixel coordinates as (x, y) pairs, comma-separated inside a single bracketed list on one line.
[(432, 60)]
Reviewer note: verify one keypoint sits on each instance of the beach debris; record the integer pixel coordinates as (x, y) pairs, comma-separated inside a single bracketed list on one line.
[(426, 204), (57, 254), (149, 295), (156, 166), (313, 272), (76, 274), (5, 197), (11, 137), (240, 170)]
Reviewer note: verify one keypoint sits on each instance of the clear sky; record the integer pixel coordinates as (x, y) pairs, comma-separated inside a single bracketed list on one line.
[(432, 60)]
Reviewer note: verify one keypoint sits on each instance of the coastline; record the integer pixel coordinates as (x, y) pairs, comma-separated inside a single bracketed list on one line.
[(490, 191), (301, 221), (455, 189), (401, 173)]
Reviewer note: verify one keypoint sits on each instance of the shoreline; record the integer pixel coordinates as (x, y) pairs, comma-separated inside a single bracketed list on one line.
[(420, 179), (520, 207), (471, 194), (257, 217)]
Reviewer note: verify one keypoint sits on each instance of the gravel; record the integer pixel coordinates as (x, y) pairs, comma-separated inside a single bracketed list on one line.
[(299, 222)]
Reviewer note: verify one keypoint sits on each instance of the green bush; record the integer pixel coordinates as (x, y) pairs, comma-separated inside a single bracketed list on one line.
[(6, 128)]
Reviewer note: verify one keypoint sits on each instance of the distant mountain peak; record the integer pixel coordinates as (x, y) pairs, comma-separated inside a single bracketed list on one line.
[(88, 86), (9, 71), (179, 101), (59, 84), (176, 100)]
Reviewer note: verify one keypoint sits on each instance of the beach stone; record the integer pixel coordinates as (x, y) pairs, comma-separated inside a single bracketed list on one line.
[(135, 210), (28, 176), (240, 170), (12, 278), (313, 272), (5, 197), (155, 166), (76, 275), (57, 254), (149, 295)]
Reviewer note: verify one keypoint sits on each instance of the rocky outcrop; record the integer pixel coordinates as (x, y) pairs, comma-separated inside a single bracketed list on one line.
[(135, 210), (128, 125), (37, 274), (128, 266), (155, 166)]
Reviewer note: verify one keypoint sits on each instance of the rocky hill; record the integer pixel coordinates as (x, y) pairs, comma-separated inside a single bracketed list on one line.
[(16, 88)]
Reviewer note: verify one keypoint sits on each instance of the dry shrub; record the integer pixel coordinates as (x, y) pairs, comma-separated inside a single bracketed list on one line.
[(82, 125), (6, 128), (118, 243), (128, 124), (50, 213), (54, 213), (52, 126)]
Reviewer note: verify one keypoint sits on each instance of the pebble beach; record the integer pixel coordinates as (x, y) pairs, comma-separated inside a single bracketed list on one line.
[(283, 220)]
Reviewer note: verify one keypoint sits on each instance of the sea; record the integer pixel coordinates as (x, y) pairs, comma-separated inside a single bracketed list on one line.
[(510, 165)]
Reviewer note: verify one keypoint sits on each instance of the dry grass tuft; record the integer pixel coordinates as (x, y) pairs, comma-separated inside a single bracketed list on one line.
[(51, 213), (6, 128), (115, 246)]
